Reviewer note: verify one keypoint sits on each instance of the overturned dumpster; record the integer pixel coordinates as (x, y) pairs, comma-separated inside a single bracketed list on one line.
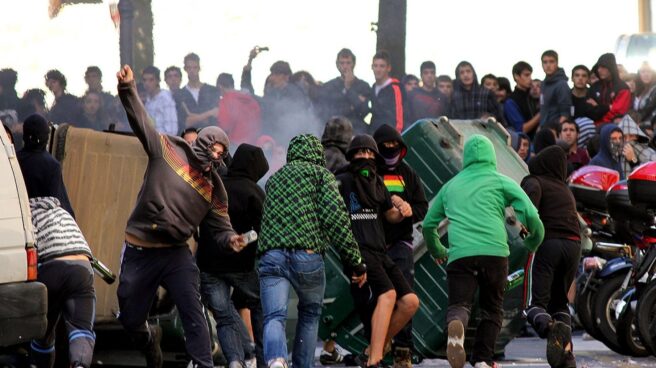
[(435, 151)]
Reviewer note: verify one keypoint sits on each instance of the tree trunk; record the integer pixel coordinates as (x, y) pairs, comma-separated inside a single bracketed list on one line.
[(391, 32), (136, 40)]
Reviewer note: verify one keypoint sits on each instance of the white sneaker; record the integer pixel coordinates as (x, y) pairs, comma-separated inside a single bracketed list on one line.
[(251, 363), (277, 363)]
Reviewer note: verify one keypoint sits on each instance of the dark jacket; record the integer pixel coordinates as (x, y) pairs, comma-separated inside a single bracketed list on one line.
[(400, 179), (208, 98), (245, 202), (547, 189), (582, 109), (423, 104), (388, 107), (177, 193), (472, 103), (335, 140), (335, 100), (65, 109), (555, 98), (605, 157), (519, 108), (613, 94)]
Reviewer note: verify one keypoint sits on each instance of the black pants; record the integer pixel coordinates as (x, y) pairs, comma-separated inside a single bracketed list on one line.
[(403, 256), (550, 273), (488, 274), (70, 295), (143, 270)]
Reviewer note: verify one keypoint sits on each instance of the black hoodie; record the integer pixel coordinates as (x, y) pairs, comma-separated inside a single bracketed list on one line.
[(401, 180), (546, 186), (613, 94), (245, 203), (335, 140)]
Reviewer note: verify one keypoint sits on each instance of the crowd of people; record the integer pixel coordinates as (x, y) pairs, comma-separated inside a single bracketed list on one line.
[(349, 189)]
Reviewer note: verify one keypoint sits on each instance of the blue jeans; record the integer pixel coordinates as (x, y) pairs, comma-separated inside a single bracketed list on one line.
[(233, 336), (279, 269)]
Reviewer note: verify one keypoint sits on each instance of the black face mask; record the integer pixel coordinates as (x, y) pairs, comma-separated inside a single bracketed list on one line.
[(389, 152), (369, 186), (364, 167)]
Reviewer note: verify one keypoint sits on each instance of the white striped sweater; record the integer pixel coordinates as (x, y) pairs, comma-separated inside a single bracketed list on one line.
[(57, 233)]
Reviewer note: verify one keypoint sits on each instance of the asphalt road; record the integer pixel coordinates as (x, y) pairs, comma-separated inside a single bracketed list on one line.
[(520, 353)]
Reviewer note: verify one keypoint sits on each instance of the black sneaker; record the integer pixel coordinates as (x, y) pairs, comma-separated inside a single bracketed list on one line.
[(153, 351), (327, 358), (559, 336)]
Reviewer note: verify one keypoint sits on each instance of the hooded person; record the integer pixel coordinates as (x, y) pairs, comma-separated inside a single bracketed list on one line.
[(611, 145), (42, 173), (303, 215), (610, 91), (386, 303), (336, 136), (552, 268), (403, 184), (543, 139), (222, 272), (469, 100), (473, 202), (181, 188), (555, 98), (636, 149)]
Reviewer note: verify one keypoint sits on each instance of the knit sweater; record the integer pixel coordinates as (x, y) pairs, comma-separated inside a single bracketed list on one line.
[(57, 234), (303, 208)]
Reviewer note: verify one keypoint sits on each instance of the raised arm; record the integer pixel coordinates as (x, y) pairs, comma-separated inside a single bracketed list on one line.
[(138, 118)]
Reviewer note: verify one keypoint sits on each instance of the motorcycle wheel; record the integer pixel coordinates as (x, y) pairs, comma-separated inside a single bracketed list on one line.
[(604, 311), (583, 306), (628, 336), (646, 316)]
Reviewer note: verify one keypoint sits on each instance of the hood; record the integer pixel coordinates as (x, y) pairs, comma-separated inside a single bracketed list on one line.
[(45, 203), (306, 148), (551, 162), (249, 161), (362, 141), (543, 139), (514, 140), (338, 133), (207, 137), (559, 75), (607, 61), (479, 150), (35, 133), (604, 138), (387, 133), (629, 126), (457, 81)]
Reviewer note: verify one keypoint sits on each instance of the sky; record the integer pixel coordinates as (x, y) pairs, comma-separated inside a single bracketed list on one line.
[(492, 35)]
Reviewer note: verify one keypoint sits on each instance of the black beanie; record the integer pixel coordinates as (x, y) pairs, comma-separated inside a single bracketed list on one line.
[(361, 141), (35, 132)]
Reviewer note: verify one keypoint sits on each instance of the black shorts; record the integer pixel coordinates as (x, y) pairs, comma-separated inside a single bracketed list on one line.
[(383, 275)]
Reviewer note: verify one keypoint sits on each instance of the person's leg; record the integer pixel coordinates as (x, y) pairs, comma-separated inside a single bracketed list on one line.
[(139, 278), (402, 255), (461, 281), (380, 322), (492, 276), (406, 300), (249, 288), (42, 350), (540, 277), (215, 292), (79, 313), (182, 280), (274, 293), (309, 281)]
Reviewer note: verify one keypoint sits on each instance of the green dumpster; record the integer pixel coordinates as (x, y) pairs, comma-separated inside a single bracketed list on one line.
[(435, 149)]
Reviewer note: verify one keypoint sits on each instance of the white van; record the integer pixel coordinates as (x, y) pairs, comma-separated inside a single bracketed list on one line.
[(23, 300), (631, 50)]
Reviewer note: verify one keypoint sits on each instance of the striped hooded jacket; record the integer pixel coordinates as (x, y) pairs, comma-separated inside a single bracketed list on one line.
[(57, 233)]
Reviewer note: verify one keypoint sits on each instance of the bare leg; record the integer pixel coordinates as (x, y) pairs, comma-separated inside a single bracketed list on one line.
[(406, 307), (380, 322)]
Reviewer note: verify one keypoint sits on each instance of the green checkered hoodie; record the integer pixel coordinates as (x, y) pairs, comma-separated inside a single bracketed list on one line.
[(303, 208)]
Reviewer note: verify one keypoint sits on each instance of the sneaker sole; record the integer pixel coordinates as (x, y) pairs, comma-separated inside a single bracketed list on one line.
[(557, 339), (455, 349)]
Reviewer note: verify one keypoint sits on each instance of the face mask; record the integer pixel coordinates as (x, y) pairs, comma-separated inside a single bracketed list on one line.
[(390, 152), (364, 166), (391, 162), (616, 149)]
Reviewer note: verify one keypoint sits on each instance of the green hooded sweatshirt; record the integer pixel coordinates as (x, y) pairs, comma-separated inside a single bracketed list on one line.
[(474, 201), (303, 208)]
